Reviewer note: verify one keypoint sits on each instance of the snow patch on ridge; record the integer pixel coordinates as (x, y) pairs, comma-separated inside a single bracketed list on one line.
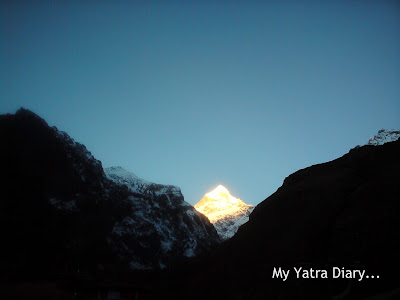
[(139, 185), (384, 136)]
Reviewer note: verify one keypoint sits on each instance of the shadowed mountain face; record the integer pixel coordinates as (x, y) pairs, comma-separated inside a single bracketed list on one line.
[(343, 213), (59, 212)]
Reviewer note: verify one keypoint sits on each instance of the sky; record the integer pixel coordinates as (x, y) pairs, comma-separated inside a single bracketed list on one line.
[(202, 93)]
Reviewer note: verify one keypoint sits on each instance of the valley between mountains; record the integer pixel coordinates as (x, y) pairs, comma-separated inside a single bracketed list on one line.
[(80, 229)]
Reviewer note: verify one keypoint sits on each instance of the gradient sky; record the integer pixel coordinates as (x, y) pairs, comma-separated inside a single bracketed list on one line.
[(198, 93)]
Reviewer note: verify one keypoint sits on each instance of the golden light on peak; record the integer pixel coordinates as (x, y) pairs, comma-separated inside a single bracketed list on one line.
[(219, 203)]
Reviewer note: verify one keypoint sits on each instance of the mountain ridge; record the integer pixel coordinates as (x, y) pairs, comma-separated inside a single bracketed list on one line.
[(342, 213), (72, 216)]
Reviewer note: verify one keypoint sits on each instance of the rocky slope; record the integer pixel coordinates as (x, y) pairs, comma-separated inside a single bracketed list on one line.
[(226, 212), (60, 212)]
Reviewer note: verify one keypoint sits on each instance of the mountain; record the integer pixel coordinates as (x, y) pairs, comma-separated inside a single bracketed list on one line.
[(340, 214), (226, 212), (59, 210), (384, 136), (160, 215)]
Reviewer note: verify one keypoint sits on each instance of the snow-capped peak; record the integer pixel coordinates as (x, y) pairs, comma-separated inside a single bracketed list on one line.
[(222, 198), (223, 210), (384, 136)]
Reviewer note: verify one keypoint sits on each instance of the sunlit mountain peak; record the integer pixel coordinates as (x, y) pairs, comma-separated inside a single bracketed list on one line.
[(221, 196), (219, 189), (225, 211)]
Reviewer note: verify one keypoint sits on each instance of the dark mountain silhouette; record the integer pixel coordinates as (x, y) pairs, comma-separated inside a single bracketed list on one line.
[(60, 213), (343, 213)]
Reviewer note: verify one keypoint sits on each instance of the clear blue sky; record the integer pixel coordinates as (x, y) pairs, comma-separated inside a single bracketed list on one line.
[(240, 93)]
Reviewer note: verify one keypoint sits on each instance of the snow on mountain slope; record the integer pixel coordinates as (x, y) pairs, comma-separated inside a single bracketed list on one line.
[(139, 185), (161, 219), (384, 136), (226, 212)]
